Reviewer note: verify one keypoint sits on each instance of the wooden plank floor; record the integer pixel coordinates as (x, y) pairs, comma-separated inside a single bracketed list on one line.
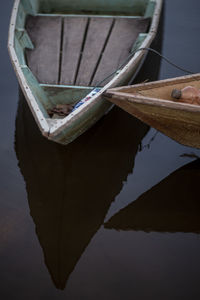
[(80, 50), (44, 59), (98, 32), (73, 37), (122, 38)]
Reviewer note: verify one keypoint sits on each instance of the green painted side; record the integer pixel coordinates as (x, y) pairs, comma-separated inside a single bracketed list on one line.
[(19, 51), (150, 8), (139, 41), (64, 95), (23, 38), (48, 96), (84, 122), (40, 96), (135, 7), (22, 41), (21, 16), (31, 6)]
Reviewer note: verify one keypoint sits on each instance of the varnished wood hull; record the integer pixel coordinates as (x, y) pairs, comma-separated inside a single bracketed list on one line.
[(152, 103)]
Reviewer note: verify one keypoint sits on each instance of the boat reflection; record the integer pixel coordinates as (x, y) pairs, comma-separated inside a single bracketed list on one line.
[(70, 188), (170, 206)]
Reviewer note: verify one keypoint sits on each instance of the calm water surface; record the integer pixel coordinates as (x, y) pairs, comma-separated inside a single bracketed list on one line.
[(114, 215)]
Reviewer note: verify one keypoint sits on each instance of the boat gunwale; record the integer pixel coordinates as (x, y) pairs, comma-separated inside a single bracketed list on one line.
[(38, 115), (152, 101), (55, 130)]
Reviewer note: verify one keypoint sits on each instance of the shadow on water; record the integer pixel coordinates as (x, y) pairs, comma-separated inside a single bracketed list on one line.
[(170, 206), (70, 188)]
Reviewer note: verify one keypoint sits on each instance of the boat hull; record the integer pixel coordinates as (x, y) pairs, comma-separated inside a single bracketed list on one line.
[(69, 128), (179, 121)]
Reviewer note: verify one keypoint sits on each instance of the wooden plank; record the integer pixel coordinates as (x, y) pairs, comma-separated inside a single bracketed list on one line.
[(97, 34), (73, 38), (45, 33), (122, 38)]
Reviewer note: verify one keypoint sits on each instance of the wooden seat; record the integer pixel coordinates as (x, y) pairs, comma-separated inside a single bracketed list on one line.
[(80, 50)]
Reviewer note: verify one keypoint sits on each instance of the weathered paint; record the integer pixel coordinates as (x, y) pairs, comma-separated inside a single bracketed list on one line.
[(150, 8), (64, 131), (79, 125), (65, 94), (37, 113), (139, 41), (24, 39), (31, 6), (21, 16), (20, 54), (40, 96), (136, 7)]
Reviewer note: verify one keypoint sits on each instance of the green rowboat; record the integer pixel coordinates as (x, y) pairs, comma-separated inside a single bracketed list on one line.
[(63, 52)]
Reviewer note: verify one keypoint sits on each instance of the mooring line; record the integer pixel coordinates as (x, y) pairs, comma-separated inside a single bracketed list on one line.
[(133, 53)]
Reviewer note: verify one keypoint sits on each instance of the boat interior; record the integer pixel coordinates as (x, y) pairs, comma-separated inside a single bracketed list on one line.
[(65, 48)]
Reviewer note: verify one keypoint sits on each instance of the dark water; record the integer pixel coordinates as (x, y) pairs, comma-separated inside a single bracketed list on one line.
[(104, 217)]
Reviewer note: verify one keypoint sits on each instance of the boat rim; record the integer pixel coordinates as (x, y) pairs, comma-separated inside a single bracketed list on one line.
[(152, 101)]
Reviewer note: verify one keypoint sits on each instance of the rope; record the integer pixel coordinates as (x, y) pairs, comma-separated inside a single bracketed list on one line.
[(166, 59), (93, 92), (133, 53)]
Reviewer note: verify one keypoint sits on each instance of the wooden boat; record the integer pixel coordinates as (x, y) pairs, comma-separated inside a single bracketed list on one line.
[(152, 103), (164, 208), (61, 50)]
